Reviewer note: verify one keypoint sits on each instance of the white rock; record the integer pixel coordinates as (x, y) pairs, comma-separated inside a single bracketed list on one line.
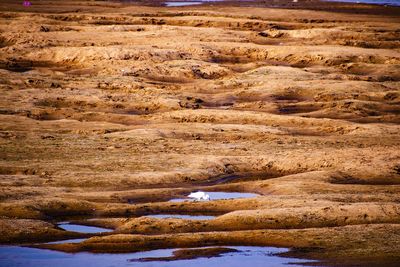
[(199, 196)]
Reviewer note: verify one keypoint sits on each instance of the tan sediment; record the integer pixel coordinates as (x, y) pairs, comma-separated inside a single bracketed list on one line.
[(34, 231), (109, 110)]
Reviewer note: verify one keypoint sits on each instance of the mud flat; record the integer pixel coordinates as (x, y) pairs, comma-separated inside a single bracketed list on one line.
[(109, 110)]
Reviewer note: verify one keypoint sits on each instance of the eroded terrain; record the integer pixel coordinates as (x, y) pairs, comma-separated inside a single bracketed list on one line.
[(108, 111)]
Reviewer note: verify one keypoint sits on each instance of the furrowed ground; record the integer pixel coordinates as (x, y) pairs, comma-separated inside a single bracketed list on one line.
[(108, 111)]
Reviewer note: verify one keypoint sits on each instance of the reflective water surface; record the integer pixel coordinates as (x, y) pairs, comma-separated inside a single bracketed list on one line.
[(220, 195), (376, 2), (172, 4), (82, 228), (12, 256)]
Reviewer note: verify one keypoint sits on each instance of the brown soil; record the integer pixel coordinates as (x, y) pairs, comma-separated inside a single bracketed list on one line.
[(109, 110)]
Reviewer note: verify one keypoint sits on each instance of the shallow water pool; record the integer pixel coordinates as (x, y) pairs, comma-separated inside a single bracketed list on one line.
[(220, 195), (82, 228), (75, 240), (13, 256), (172, 4), (188, 3)]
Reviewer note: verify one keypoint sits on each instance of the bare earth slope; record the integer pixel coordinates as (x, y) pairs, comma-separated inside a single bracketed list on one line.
[(108, 111)]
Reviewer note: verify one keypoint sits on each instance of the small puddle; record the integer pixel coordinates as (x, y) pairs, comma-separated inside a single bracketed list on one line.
[(188, 3), (82, 228), (76, 240), (179, 216), (219, 195), (232, 256), (172, 4)]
